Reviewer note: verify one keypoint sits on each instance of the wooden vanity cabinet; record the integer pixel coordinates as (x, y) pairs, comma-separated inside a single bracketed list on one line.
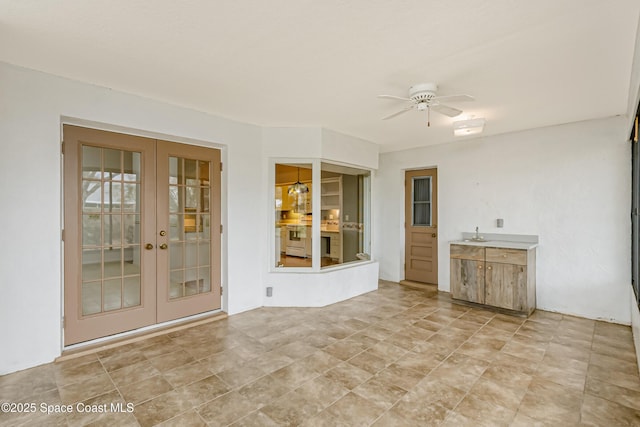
[(503, 278)]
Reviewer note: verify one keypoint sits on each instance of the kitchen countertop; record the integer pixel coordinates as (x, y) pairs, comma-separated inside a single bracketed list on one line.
[(496, 244), (505, 241)]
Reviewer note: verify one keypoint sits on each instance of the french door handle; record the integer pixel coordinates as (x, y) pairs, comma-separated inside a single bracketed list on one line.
[(163, 246), (148, 246)]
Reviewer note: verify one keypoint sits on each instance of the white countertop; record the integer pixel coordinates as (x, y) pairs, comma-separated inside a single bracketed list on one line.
[(496, 240), (497, 244)]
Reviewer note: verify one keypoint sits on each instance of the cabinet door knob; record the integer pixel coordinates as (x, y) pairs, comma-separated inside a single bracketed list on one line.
[(148, 246), (489, 268), (433, 235), (163, 246), (480, 267)]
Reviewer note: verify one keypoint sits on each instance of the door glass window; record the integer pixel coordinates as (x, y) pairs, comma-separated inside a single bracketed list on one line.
[(421, 201), (189, 227), (111, 211)]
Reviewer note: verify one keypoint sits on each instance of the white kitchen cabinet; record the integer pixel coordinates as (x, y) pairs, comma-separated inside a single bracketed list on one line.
[(331, 193), (307, 242)]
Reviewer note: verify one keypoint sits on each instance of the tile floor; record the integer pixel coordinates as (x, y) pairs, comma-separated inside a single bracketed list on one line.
[(393, 357)]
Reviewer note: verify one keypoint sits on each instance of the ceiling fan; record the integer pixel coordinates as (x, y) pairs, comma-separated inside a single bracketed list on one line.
[(423, 96)]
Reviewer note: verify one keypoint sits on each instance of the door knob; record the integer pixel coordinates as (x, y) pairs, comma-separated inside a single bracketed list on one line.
[(163, 233), (148, 246), (163, 246)]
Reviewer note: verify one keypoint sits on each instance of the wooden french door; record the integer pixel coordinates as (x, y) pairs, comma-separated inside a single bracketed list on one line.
[(421, 231), (141, 233)]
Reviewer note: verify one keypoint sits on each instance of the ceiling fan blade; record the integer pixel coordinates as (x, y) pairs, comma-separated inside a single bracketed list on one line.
[(447, 111), (394, 97), (454, 98), (404, 110)]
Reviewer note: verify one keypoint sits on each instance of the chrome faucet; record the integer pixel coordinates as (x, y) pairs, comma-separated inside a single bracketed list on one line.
[(477, 235)]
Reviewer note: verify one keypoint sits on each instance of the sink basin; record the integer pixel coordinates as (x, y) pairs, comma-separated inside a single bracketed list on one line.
[(475, 240)]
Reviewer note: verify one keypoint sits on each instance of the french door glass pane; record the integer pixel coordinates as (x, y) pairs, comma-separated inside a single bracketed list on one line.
[(189, 233), (111, 247)]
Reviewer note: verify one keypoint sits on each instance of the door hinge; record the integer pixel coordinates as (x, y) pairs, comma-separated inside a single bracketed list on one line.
[(221, 228), (221, 290), (220, 166), (63, 322), (62, 146), (63, 234)]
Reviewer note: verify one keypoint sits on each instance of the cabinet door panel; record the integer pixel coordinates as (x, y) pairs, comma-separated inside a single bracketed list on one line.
[(467, 280), (506, 286)]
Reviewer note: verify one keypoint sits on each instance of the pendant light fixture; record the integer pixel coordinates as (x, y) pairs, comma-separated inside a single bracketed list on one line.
[(298, 187)]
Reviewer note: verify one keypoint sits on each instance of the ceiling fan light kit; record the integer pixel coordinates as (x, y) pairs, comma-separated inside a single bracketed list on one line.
[(468, 127)]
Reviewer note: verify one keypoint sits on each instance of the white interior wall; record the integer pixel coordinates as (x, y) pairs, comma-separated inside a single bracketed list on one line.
[(568, 184), (31, 107)]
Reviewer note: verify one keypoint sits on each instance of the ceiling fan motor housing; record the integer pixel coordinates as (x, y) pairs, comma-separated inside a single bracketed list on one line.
[(423, 92)]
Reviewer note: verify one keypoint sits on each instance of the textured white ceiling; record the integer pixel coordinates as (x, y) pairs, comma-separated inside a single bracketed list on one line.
[(322, 63)]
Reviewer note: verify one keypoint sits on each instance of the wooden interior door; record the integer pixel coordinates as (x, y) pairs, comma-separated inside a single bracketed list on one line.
[(421, 219), (121, 225)]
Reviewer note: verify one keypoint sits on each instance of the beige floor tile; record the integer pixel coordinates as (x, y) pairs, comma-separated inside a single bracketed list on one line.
[(395, 356), (119, 360), (322, 390), (241, 375), (291, 409), (255, 419), (498, 393), (562, 376), (31, 382), (614, 377), (133, 373), (348, 375), (474, 407), (81, 391), (600, 412), (379, 393), (613, 393), (405, 378), (295, 374), (431, 391), (368, 362), (96, 417), (191, 419), (613, 363), (226, 409), (202, 391), (508, 376), (77, 373), (415, 413), (169, 361), (552, 403), (264, 390), (355, 410), (186, 374)]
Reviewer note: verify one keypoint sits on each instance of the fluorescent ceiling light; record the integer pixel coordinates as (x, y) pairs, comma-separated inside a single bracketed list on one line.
[(468, 127)]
